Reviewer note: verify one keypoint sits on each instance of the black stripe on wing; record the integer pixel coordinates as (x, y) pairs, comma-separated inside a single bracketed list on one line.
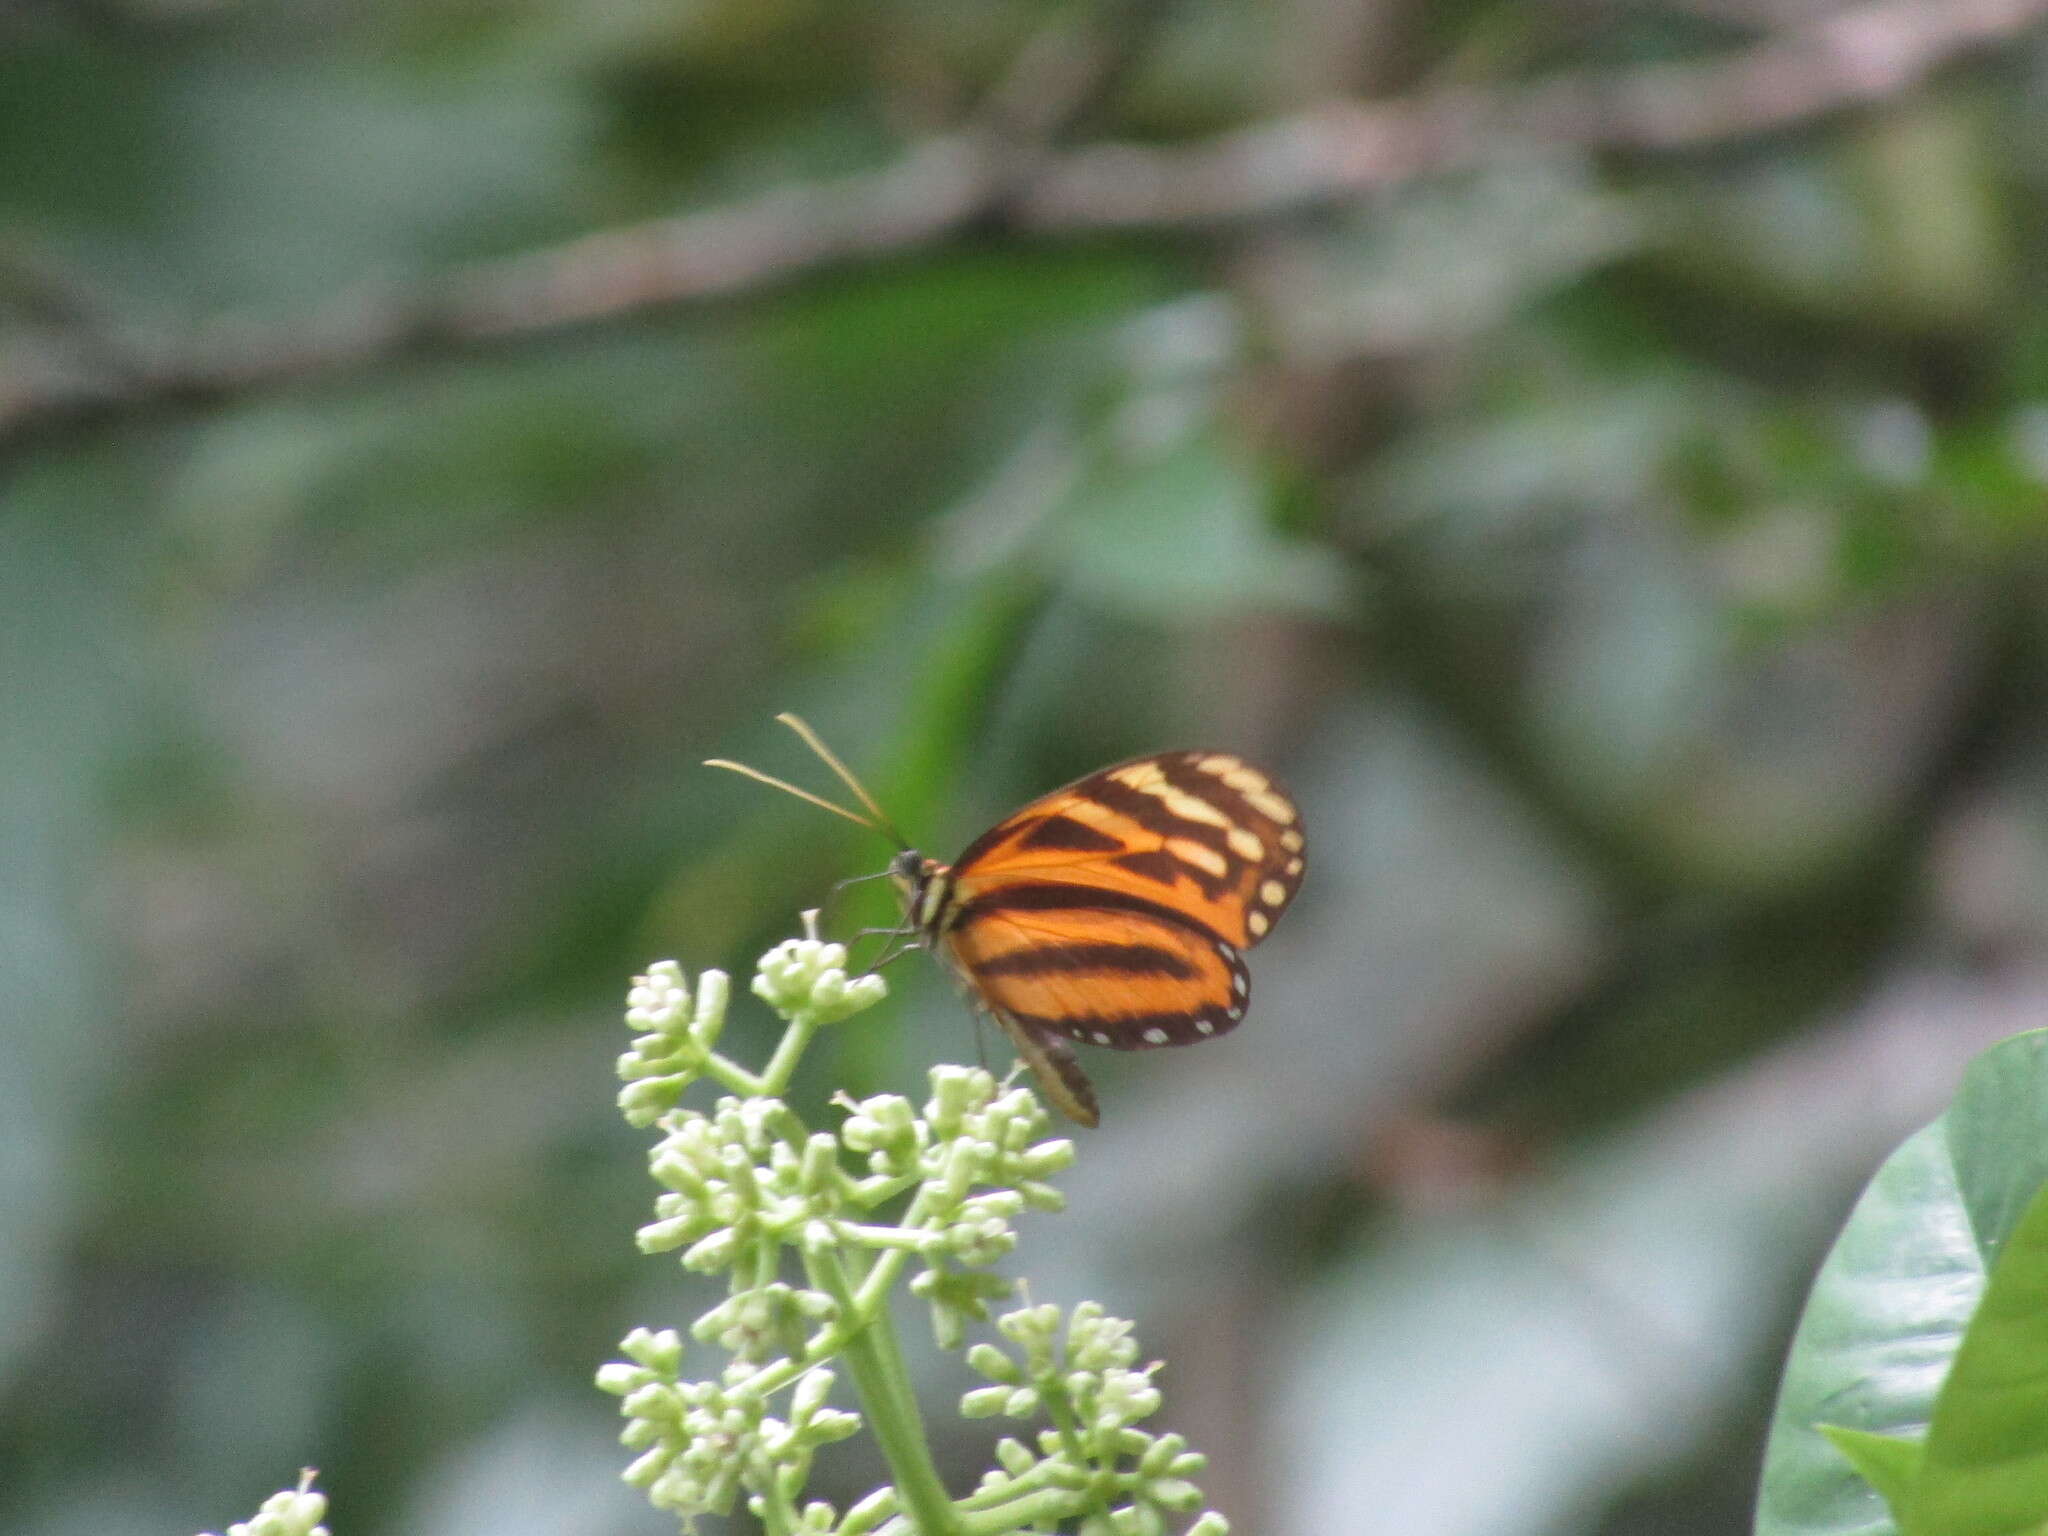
[(1066, 834), (1097, 959), (1151, 813), (1060, 896)]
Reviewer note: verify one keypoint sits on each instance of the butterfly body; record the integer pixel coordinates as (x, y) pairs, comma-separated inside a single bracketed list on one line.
[(1114, 911)]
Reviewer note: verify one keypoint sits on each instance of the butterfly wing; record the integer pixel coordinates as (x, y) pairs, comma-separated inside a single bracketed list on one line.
[(1212, 840), (1101, 973), (1052, 1062), (1116, 910)]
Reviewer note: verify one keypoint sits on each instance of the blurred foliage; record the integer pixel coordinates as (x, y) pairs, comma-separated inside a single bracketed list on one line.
[(1632, 560)]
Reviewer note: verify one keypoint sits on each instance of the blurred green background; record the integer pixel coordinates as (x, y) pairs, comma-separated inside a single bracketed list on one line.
[(1604, 479)]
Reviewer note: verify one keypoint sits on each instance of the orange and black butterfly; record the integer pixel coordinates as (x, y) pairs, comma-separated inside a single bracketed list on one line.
[(1115, 911)]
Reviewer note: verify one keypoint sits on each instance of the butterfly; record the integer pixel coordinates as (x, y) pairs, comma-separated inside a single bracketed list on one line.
[(1115, 911)]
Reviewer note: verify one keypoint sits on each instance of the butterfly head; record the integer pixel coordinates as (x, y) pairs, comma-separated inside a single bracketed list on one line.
[(924, 885)]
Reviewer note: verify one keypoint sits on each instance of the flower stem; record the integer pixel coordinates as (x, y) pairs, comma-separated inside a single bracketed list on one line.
[(782, 1065), (1042, 1504), (874, 1358)]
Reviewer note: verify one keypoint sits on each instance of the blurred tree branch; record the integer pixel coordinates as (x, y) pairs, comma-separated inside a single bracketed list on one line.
[(1002, 172)]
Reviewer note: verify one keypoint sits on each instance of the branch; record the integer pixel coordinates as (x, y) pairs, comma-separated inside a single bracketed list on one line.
[(1849, 58), (954, 184)]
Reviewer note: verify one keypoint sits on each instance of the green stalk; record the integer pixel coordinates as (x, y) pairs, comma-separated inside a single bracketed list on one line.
[(874, 1358), (782, 1065), (1042, 1504)]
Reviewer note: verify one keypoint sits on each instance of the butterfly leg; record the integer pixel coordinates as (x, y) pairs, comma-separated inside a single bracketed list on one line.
[(888, 955)]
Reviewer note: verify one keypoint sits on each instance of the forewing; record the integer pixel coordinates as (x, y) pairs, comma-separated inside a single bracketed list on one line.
[(1205, 835), (1089, 964)]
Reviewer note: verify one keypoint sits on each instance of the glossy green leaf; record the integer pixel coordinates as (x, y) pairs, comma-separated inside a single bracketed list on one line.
[(1886, 1321), (1889, 1463), (1984, 1467)]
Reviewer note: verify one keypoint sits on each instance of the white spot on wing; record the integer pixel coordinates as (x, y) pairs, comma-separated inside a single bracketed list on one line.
[(1246, 845), (1199, 855), (1156, 1036), (1184, 805), (1266, 803), (1205, 1026), (1258, 924)]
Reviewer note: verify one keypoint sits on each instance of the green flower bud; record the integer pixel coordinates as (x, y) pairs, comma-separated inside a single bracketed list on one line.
[(1032, 1327), (817, 1306), (819, 1174), (830, 1424), (711, 1254), (714, 988), (811, 1392), (644, 1469), (618, 1378), (956, 1093), (651, 1401), (660, 1350), (646, 1101), (1159, 1455), (1126, 1397), (1174, 1494), (1015, 1457), (1048, 1157), (660, 1236), (979, 1244), (986, 1360), (659, 998), (984, 1402)]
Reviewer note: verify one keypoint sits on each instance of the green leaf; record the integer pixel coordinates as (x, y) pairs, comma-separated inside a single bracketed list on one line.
[(1985, 1463), (1887, 1315), (1889, 1463)]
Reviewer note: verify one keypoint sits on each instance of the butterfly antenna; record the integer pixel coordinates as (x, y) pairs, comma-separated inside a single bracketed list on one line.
[(881, 822), (790, 789)]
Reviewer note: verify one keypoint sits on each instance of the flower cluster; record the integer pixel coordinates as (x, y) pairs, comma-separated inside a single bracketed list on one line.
[(294, 1512), (702, 1442), (813, 1231), (976, 1163), (678, 1040), (805, 981), (1085, 1384), (740, 1180)]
